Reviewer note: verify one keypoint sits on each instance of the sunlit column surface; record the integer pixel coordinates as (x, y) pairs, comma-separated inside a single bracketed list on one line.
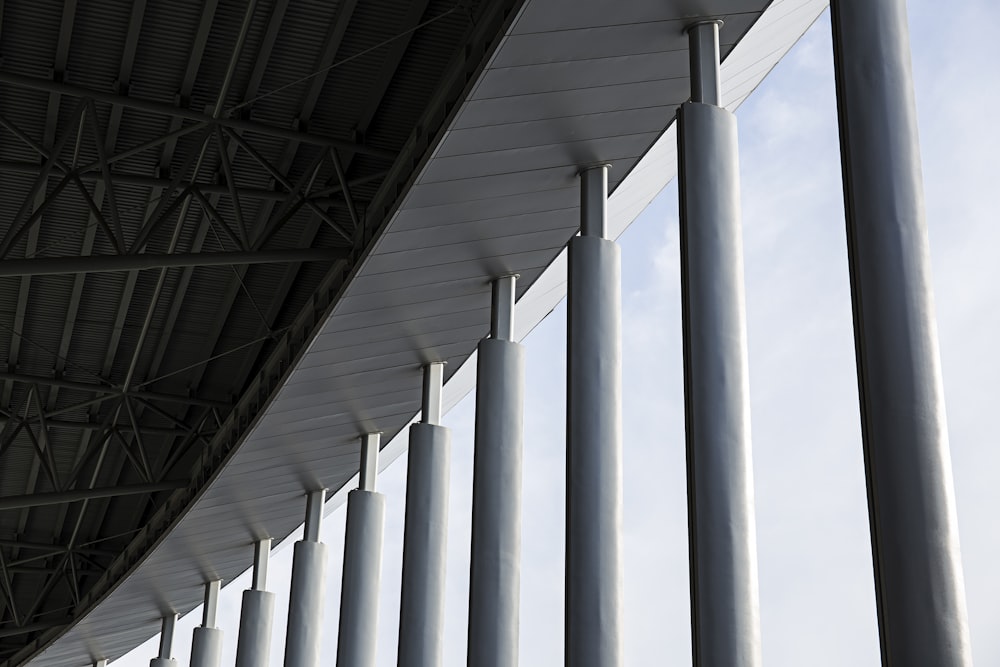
[(305, 605), (257, 615), (356, 641), (206, 644), (167, 627), (594, 594), (911, 502), (722, 541), (425, 536), (495, 581)]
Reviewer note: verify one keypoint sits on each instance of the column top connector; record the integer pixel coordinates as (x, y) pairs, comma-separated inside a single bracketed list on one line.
[(501, 276), (591, 167), (688, 27)]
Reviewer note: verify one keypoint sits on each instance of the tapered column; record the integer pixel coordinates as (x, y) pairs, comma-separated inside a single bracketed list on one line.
[(305, 604), (494, 586), (362, 564), (206, 645), (254, 644), (167, 627), (911, 501), (723, 554), (425, 536), (594, 594)]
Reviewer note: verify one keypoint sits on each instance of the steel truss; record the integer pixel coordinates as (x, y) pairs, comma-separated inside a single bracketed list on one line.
[(220, 196)]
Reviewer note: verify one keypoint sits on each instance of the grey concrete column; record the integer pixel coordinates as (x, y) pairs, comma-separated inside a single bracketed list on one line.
[(594, 562), (206, 645), (254, 644), (911, 501), (305, 604), (362, 564), (425, 535), (167, 627), (723, 553), (495, 581)]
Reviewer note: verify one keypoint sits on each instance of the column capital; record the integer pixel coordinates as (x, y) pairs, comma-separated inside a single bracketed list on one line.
[(502, 314), (370, 444), (703, 45)]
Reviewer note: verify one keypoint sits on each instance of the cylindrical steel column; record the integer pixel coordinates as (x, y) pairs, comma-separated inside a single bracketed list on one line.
[(305, 604), (362, 564), (206, 645), (495, 582), (254, 644), (723, 554), (167, 627), (425, 536), (911, 502), (594, 587)]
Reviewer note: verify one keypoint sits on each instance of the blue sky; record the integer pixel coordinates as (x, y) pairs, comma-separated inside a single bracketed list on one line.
[(817, 596)]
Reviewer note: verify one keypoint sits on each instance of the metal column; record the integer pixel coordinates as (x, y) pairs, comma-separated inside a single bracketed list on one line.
[(495, 581), (425, 536), (206, 645), (362, 564), (254, 644), (167, 627), (594, 588), (722, 541), (305, 604), (911, 503)]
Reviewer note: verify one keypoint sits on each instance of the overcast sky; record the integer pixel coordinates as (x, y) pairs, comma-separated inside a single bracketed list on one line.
[(817, 596)]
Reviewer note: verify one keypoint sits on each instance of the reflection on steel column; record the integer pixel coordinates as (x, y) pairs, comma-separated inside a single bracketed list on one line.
[(594, 595), (167, 627), (305, 604), (425, 536), (206, 645), (495, 581), (911, 503), (725, 619), (254, 643), (362, 564)]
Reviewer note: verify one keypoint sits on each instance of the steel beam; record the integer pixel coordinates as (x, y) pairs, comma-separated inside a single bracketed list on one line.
[(356, 640), (163, 109), (59, 497), (723, 553), (595, 603), (425, 533), (112, 391), (321, 198), (25, 629), (44, 266), (919, 585), (495, 577)]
